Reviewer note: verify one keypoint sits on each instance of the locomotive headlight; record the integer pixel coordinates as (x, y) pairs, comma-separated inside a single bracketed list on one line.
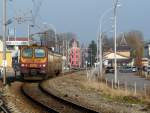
[(22, 65), (44, 65)]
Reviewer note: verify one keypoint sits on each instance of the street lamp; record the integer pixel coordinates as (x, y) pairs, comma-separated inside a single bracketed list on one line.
[(115, 4), (99, 38), (99, 41)]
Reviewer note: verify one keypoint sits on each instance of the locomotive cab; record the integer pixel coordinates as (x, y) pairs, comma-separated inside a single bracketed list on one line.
[(33, 60)]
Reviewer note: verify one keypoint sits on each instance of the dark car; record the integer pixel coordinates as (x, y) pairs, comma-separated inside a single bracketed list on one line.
[(109, 70)]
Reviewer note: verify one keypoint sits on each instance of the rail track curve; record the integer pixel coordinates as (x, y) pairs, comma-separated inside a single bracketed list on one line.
[(50, 102)]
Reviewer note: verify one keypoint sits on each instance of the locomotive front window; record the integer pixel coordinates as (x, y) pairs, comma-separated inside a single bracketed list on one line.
[(39, 53), (27, 52)]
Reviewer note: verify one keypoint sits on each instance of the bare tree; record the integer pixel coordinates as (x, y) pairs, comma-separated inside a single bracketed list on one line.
[(135, 40)]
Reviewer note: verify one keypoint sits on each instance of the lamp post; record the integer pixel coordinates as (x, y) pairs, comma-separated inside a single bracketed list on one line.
[(115, 3), (99, 41), (4, 41)]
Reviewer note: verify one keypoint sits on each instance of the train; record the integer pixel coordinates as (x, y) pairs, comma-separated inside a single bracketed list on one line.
[(40, 61)]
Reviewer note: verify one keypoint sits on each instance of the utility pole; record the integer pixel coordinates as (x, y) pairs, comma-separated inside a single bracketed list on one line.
[(63, 58), (56, 41), (67, 53), (4, 41), (28, 34), (91, 57), (100, 53), (98, 49)]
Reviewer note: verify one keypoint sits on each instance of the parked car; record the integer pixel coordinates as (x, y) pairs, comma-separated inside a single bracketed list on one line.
[(134, 69), (125, 69), (109, 69)]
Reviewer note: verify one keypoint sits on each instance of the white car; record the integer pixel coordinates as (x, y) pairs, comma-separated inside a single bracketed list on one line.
[(134, 69)]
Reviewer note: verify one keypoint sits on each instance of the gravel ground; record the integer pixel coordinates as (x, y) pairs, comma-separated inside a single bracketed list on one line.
[(48, 100), (17, 102), (70, 87)]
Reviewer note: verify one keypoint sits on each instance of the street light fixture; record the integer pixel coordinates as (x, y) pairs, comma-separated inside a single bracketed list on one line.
[(99, 38), (99, 41)]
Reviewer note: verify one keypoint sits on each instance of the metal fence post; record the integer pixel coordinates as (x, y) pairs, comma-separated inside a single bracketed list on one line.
[(134, 88)]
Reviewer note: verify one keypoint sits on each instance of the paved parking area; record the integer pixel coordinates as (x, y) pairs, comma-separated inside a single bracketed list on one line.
[(130, 78)]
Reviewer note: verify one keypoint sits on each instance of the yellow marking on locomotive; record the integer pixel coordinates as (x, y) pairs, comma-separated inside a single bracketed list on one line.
[(33, 65), (40, 60), (26, 60), (34, 60)]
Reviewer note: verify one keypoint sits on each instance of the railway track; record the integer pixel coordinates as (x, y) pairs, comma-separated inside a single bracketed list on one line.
[(50, 102), (3, 108)]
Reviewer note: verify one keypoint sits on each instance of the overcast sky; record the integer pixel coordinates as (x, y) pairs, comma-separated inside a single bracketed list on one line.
[(81, 16)]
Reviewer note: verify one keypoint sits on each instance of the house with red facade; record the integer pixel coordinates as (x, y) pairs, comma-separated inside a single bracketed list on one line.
[(75, 59)]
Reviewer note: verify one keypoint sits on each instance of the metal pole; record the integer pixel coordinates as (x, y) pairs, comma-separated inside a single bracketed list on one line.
[(4, 41), (63, 58), (100, 51), (91, 57), (56, 41), (15, 33), (28, 34), (67, 53), (115, 36), (15, 30), (8, 35)]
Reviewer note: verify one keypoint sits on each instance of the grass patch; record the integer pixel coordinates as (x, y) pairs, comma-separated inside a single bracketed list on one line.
[(118, 95)]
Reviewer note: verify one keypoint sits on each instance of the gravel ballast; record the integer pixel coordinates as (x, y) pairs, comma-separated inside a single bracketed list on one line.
[(70, 87)]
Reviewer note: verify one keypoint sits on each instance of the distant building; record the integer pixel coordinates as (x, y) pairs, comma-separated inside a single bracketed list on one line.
[(123, 48), (121, 59), (84, 56), (122, 55), (147, 50), (75, 57), (8, 56), (146, 54), (12, 45)]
